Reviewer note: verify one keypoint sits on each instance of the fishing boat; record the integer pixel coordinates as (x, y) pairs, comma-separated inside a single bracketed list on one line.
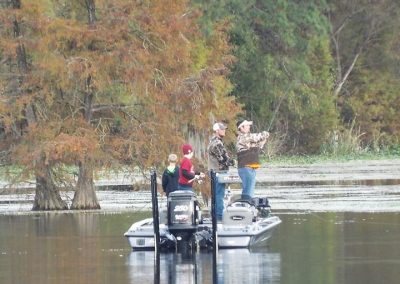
[(247, 222)]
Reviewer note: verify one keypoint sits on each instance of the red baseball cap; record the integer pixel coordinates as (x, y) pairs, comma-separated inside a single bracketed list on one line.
[(187, 149)]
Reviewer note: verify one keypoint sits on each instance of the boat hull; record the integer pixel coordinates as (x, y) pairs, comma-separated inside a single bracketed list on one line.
[(141, 234), (248, 236)]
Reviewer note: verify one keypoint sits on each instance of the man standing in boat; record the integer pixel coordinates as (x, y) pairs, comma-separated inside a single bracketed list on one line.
[(219, 161), (187, 175), (248, 147)]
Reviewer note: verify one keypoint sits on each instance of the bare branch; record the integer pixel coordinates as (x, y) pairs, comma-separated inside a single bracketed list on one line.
[(346, 75)]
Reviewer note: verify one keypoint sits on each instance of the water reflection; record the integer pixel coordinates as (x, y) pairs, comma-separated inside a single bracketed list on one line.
[(233, 266), (307, 248), (60, 248)]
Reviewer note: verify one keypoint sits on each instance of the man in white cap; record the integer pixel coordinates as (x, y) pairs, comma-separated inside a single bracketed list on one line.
[(248, 147), (219, 161)]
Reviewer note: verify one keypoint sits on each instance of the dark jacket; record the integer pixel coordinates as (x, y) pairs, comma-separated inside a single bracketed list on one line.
[(249, 157), (169, 180)]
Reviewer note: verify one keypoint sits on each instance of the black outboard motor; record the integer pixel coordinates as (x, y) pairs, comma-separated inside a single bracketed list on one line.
[(262, 204), (183, 216)]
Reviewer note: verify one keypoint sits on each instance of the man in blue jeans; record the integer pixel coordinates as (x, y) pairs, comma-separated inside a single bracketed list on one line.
[(219, 161), (248, 147)]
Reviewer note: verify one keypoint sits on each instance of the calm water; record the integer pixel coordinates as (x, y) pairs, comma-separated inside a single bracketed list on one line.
[(306, 248)]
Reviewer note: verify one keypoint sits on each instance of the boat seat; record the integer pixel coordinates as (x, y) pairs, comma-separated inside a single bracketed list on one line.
[(241, 199), (237, 216)]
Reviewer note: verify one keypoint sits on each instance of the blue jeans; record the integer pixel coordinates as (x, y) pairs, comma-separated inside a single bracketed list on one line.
[(248, 177), (219, 199)]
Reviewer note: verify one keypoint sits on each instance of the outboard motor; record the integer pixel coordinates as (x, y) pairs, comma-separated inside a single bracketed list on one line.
[(183, 216), (262, 204)]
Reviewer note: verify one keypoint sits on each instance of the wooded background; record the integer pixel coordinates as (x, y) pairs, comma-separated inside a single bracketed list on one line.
[(96, 84)]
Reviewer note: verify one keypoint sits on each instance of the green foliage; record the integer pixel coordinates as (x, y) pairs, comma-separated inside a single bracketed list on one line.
[(393, 150), (145, 67), (282, 73), (368, 29), (346, 142), (200, 55), (390, 154), (373, 88), (375, 104)]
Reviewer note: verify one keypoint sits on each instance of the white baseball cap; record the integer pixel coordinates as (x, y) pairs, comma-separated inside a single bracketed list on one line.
[(243, 123), (219, 126)]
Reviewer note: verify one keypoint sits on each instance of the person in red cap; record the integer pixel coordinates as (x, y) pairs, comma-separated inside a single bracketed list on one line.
[(187, 175)]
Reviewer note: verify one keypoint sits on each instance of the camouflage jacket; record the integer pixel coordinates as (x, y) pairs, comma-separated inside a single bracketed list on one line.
[(245, 141), (248, 146), (218, 158)]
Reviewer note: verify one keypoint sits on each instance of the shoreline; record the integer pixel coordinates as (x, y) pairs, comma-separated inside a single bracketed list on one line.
[(359, 185)]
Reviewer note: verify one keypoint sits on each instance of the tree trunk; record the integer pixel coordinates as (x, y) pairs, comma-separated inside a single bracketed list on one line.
[(16, 4), (85, 195), (47, 196), (91, 9)]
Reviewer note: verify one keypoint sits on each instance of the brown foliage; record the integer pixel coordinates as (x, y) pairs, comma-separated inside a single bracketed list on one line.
[(123, 90)]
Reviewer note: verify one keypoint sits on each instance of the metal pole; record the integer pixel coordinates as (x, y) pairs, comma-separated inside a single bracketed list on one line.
[(156, 222), (214, 224), (157, 268)]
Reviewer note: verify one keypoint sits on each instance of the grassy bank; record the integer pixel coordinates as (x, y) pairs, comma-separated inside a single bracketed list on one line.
[(322, 158)]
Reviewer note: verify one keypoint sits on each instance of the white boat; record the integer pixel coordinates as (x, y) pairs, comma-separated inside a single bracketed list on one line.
[(246, 223)]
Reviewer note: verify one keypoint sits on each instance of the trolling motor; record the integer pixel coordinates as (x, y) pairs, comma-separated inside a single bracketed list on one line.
[(183, 217), (262, 205)]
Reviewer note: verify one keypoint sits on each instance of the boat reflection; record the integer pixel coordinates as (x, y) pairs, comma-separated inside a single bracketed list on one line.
[(233, 266)]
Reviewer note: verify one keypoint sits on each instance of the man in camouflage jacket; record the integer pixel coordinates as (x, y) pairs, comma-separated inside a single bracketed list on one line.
[(219, 161), (248, 147)]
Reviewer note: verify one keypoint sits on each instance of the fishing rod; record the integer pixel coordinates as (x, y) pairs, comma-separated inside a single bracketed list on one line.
[(278, 106), (294, 82)]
